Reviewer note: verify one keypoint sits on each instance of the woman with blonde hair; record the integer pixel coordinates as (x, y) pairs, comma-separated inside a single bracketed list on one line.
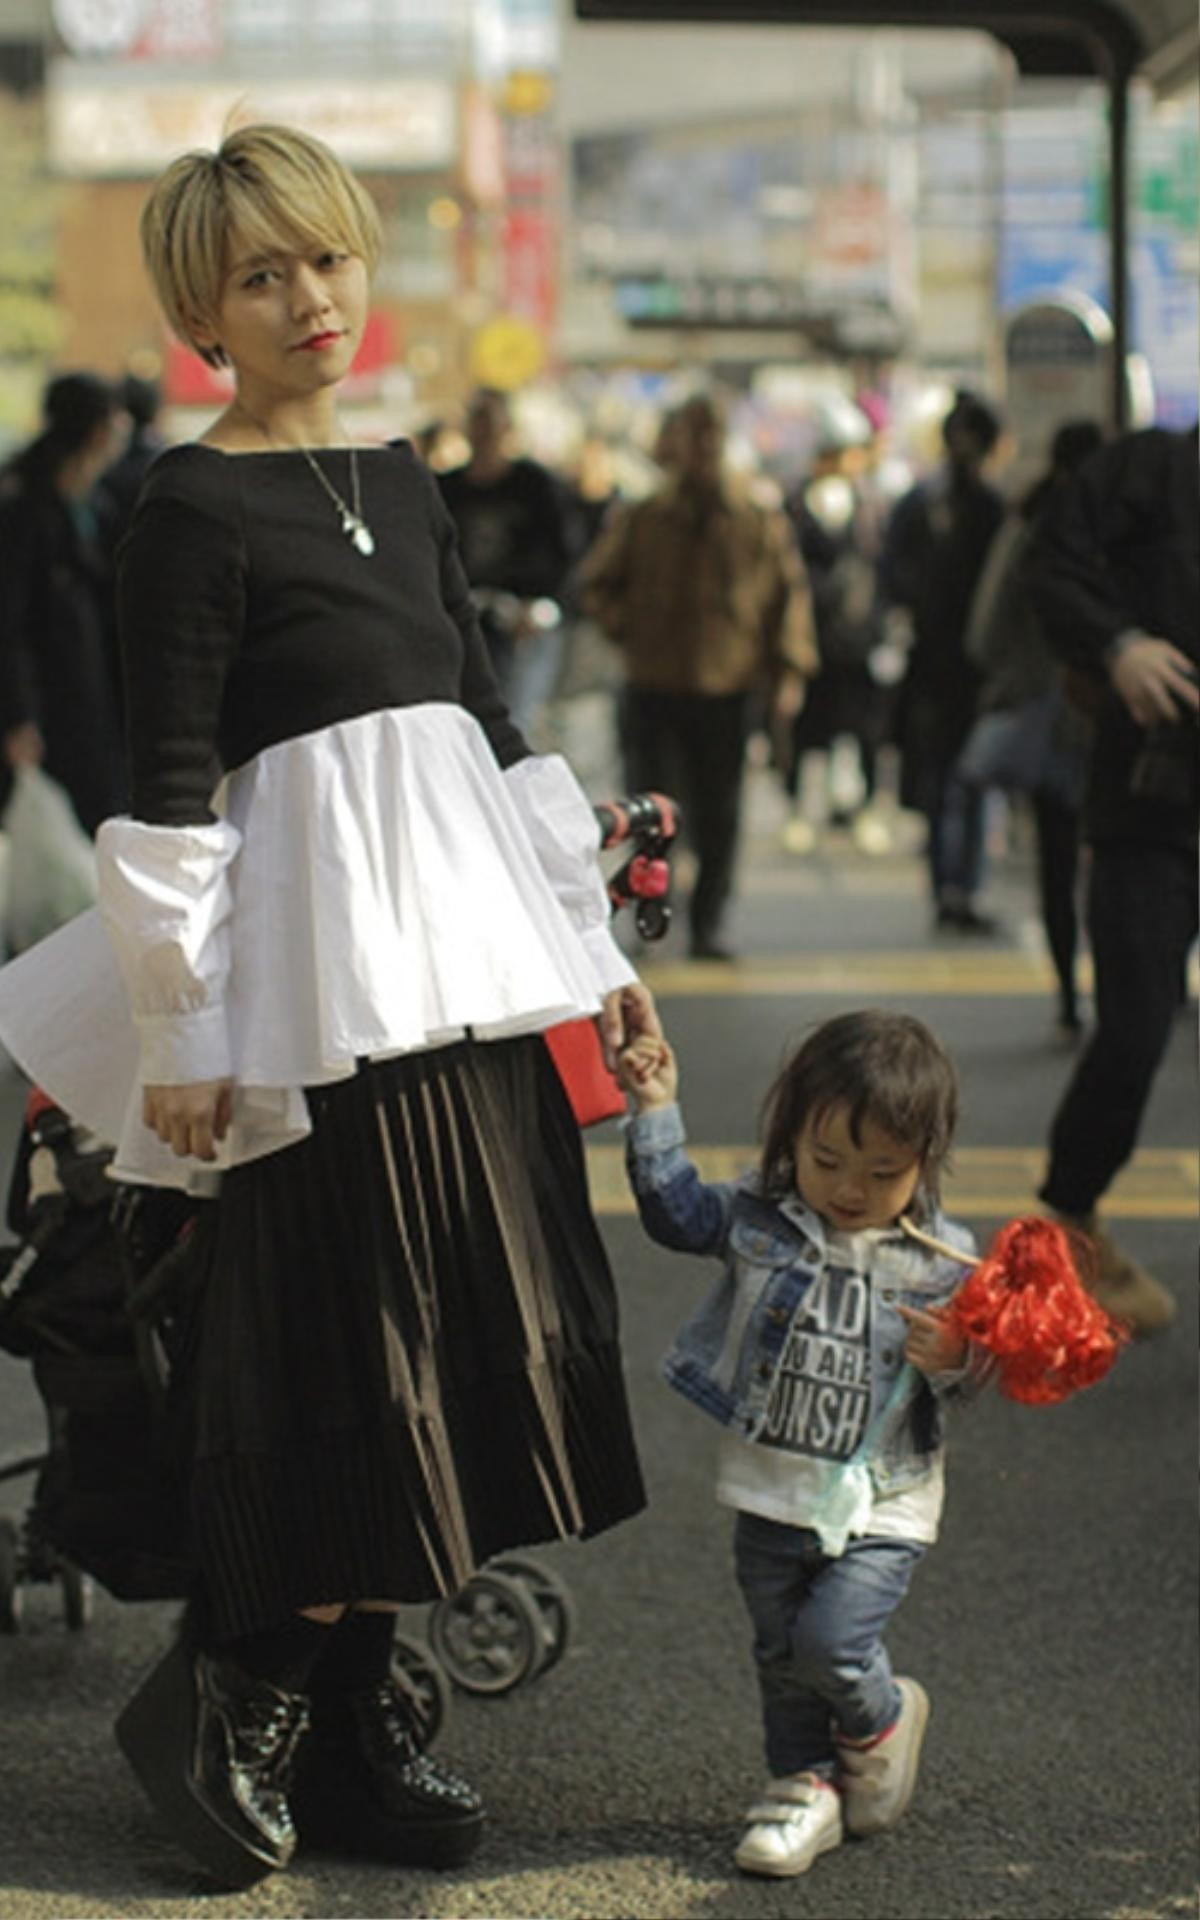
[(345, 905)]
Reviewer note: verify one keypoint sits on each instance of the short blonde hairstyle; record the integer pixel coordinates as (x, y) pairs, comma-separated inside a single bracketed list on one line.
[(264, 188)]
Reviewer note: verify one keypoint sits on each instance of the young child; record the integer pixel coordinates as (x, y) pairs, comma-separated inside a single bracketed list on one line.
[(822, 1352)]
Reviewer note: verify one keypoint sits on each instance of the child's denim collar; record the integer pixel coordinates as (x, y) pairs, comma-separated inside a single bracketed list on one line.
[(793, 1208)]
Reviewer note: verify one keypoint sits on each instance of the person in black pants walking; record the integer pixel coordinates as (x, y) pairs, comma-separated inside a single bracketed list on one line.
[(1116, 577), (703, 591), (1028, 735), (934, 550)]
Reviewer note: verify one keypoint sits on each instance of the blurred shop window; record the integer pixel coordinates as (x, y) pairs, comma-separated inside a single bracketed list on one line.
[(420, 259), (419, 26), (342, 20), (260, 23)]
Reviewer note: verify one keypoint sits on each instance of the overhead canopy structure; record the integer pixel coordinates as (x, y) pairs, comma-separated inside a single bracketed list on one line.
[(1111, 40), (1067, 37)]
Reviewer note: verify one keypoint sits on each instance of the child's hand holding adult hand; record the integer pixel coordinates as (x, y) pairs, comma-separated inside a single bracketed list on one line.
[(932, 1345), (647, 1071), (628, 1013)]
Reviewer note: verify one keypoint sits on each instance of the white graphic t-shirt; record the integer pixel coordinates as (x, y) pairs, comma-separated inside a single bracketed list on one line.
[(821, 1393), (818, 1409)]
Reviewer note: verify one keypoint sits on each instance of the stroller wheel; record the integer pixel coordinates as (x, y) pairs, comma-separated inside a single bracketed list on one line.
[(78, 1594), (425, 1685), (489, 1636), (12, 1599), (551, 1596)]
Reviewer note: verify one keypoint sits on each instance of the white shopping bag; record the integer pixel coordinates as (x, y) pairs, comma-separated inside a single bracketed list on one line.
[(51, 867)]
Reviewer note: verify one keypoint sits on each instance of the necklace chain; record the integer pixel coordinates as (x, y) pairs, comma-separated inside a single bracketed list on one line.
[(329, 487), (354, 526)]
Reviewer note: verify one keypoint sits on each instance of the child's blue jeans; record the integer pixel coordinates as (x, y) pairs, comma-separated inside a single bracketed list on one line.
[(818, 1637)]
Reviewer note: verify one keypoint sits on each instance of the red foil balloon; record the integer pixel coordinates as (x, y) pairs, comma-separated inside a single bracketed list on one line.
[(1026, 1304)]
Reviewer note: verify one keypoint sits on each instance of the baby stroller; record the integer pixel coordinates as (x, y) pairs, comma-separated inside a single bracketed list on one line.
[(94, 1296), (73, 1294)]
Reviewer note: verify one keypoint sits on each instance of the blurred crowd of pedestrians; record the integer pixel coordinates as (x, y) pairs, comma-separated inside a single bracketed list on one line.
[(59, 704), (1043, 649)]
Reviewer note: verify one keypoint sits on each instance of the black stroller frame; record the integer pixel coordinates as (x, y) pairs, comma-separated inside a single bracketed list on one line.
[(511, 1621), (26, 1555), (71, 1302)]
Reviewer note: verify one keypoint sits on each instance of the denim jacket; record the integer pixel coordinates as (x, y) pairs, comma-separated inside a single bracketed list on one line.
[(725, 1357)]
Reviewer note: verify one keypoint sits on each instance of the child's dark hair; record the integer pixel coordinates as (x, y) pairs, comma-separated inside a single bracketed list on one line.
[(884, 1067)]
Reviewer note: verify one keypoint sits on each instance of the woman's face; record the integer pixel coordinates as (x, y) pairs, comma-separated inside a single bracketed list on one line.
[(290, 323), (854, 1184)]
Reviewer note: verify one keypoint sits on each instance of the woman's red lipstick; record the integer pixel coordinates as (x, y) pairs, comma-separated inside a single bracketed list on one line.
[(316, 341)]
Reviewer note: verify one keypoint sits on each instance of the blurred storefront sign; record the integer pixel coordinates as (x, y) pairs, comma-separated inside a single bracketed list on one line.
[(160, 30), (93, 27), (482, 152), (514, 35), (769, 225), (181, 30), (507, 353), (1058, 367), (848, 325), (530, 267), (850, 228), (527, 95), (515, 256), (140, 29), (123, 126), (1054, 233)]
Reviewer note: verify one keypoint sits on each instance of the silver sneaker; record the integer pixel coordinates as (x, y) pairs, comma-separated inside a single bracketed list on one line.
[(796, 1819), (877, 1780)]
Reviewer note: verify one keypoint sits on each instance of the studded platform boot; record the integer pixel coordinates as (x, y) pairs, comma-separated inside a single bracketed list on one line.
[(213, 1747), (364, 1787)]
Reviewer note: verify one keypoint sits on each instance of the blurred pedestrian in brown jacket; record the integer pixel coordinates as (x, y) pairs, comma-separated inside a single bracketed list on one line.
[(703, 591)]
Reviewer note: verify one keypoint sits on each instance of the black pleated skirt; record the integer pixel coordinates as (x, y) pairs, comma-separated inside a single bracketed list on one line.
[(405, 1357)]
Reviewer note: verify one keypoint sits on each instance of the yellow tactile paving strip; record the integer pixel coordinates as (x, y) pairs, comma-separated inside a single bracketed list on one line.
[(909, 973), (1160, 1183)]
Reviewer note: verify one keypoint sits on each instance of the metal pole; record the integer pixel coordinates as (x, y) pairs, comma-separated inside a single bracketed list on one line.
[(1118, 237)]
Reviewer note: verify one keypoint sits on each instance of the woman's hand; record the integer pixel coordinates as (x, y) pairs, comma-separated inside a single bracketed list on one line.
[(190, 1119), (627, 1013), (932, 1344), (647, 1072)]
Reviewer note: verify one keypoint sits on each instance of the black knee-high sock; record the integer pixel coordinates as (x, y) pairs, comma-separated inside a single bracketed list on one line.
[(284, 1655), (357, 1654)]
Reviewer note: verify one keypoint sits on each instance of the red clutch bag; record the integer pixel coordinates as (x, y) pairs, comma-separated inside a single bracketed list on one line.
[(576, 1051)]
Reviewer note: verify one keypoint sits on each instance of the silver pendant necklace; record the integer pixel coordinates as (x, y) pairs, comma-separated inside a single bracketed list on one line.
[(354, 526)]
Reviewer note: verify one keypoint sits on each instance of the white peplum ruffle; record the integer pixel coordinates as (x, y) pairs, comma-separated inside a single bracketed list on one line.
[(372, 889)]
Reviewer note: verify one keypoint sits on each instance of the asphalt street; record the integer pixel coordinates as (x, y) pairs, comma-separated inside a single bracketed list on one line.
[(1054, 1625)]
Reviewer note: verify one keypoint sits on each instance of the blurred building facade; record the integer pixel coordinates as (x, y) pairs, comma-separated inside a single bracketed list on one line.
[(443, 106), (590, 200), (860, 196)]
